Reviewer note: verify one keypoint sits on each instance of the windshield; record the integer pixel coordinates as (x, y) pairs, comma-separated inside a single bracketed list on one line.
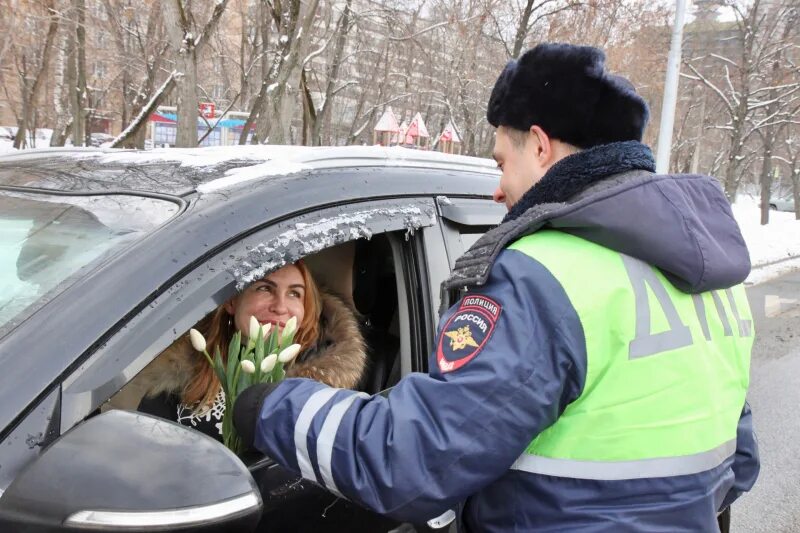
[(48, 240)]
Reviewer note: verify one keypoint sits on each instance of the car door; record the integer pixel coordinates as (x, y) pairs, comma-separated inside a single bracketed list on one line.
[(290, 503), (464, 221)]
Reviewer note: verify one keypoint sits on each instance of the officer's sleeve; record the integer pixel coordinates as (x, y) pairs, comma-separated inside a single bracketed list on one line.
[(746, 464), (510, 357)]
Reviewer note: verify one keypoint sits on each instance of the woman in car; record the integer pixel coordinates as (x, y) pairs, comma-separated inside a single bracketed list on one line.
[(180, 385)]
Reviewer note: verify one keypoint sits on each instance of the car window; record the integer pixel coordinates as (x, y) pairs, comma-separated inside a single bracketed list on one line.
[(365, 253), (47, 240), (465, 221), (471, 234), (219, 276)]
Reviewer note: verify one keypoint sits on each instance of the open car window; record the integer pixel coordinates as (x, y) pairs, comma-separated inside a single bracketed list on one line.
[(218, 277)]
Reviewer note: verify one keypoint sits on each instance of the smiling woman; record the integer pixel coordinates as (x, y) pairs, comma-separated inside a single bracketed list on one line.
[(180, 385)]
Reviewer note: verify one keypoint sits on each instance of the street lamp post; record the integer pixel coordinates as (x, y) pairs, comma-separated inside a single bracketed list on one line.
[(670, 91)]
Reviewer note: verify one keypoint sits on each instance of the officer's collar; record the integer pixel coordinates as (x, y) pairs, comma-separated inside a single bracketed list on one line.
[(572, 184), (575, 173)]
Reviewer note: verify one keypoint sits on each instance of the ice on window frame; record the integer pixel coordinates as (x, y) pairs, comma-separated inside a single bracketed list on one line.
[(308, 238)]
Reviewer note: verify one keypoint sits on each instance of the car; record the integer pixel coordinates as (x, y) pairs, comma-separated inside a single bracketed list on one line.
[(110, 255), (7, 133), (100, 139), (782, 204)]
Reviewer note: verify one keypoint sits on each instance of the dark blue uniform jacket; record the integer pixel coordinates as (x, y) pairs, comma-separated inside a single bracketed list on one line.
[(447, 440)]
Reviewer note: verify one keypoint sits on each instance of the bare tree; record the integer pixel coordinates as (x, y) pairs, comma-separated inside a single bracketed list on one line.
[(32, 68), (137, 123), (140, 45), (336, 65), (534, 11), (78, 94), (64, 78), (187, 41), (315, 118), (779, 111), (272, 108), (741, 88), (792, 161)]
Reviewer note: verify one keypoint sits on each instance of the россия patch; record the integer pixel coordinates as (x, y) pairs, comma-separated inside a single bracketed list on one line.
[(467, 331)]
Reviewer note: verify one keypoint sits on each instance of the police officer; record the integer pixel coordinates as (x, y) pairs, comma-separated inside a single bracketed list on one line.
[(593, 376)]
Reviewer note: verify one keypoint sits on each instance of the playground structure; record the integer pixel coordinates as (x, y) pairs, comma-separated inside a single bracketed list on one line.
[(389, 132)]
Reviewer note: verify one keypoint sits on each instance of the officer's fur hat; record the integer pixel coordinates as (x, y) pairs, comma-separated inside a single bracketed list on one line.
[(565, 90)]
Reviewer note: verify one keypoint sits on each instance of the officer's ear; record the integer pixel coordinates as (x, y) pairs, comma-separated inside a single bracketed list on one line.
[(546, 151), (540, 149), (540, 144)]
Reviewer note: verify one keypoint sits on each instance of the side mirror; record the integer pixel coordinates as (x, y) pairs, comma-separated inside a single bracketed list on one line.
[(124, 471)]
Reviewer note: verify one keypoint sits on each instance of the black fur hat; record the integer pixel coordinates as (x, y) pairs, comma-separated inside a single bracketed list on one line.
[(565, 90)]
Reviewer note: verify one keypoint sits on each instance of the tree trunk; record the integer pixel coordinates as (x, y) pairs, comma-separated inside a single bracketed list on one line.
[(134, 133), (522, 29), (732, 177), (255, 112), (79, 134), (31, 90), (187, 98), (309, 112), (187, 44), (333, 73), (182, 43), (275, 126), (61, 92), (766, 177), (242, 58), (355, 130), (72, 81), (795, 170)]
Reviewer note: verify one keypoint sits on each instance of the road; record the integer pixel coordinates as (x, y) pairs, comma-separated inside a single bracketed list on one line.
[(774, 503)]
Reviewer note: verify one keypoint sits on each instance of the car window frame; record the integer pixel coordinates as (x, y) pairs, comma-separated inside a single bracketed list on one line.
[(457, 214), (181, 305)]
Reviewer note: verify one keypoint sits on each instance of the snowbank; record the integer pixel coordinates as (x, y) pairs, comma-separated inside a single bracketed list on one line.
[(6, 146), (774, 248)]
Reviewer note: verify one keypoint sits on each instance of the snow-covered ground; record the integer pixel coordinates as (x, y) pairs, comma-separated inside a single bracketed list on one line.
[(41, 138), (6, 145), (774, 248)]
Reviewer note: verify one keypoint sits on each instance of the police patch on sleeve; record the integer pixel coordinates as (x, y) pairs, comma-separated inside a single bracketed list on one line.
[(467, 331)]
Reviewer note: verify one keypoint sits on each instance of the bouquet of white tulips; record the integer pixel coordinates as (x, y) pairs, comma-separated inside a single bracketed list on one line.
[(261, 360)]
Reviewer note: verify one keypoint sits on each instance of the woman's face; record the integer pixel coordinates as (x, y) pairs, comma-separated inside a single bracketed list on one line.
[(273, 299)]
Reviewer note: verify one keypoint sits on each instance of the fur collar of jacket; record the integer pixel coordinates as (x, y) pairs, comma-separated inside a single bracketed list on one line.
[(579, 171), (339, 358)]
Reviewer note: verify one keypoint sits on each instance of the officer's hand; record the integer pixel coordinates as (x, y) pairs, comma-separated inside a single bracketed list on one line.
[(247, 409)]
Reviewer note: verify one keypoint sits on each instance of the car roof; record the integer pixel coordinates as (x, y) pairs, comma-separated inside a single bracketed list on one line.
[(181, 171)]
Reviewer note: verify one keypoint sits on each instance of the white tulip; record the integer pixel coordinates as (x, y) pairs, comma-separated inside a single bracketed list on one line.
[(265, 329), (268, 363), (289, 353), (289, 328), (198, 341), (254, 327), (248, 367)]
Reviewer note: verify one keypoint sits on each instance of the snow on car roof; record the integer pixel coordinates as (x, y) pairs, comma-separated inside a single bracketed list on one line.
[(223, 167)]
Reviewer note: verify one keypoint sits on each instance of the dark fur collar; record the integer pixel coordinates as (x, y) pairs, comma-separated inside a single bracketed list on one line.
[(575, 173)]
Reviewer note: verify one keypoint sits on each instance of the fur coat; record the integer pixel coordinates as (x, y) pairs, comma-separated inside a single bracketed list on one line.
[(339, 358)]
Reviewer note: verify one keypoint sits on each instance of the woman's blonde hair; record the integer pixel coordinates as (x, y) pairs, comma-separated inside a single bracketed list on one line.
[(219, 327)]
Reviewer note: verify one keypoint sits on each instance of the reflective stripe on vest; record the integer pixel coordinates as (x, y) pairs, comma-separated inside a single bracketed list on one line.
[(667, 371), (616, 470)]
